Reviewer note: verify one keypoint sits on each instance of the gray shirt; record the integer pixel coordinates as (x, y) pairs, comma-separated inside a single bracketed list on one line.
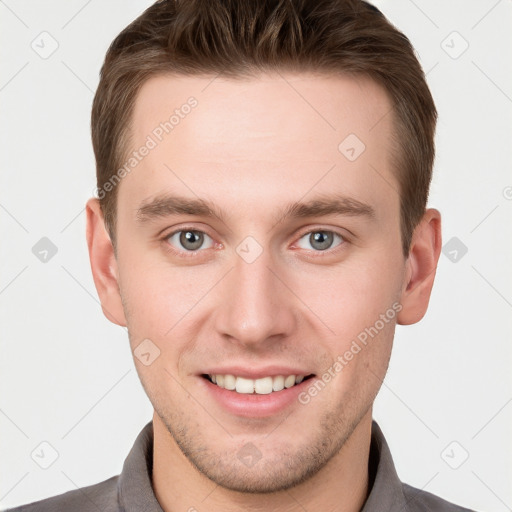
[(131, 491)]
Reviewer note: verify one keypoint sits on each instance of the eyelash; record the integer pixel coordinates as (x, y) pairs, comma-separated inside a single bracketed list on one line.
[(196, 253), (183, 254)]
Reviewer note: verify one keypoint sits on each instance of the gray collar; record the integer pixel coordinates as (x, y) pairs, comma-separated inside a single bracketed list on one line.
[(135, 492)]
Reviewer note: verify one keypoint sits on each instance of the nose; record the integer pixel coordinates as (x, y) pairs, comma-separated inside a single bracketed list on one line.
[(255, 306)]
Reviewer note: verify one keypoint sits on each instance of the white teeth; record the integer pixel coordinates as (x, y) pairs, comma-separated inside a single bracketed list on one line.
[(262, 386), (244, 385), (229, 382), (289, 381), (278, 383)]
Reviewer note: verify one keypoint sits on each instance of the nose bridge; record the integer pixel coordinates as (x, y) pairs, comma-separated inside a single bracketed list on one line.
[(254, 305)]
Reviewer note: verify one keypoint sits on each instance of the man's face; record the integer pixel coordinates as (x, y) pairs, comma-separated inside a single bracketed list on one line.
[(262, 292)]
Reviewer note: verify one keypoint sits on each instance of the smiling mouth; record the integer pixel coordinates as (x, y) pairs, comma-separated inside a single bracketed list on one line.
[(262, 386)]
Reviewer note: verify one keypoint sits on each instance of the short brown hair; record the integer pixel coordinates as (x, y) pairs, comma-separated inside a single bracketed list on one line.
[(237, 38)]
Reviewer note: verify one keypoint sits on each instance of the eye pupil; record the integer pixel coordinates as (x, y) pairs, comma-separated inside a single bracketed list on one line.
[(191, 240), (321, 240)]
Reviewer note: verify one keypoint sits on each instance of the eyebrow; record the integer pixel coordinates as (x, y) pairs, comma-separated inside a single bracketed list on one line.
[(166, 205)]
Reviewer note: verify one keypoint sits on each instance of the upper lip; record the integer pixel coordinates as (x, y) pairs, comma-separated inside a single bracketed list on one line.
[(253, 373)]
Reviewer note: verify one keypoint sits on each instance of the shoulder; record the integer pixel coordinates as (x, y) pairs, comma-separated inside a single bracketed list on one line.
[(101, 496), (422, 501)]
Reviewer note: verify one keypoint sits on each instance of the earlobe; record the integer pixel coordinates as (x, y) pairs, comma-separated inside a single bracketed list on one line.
[(421, 268), (103, 264)]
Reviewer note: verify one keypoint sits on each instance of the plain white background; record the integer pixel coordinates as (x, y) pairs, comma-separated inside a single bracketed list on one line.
[(67, 375)]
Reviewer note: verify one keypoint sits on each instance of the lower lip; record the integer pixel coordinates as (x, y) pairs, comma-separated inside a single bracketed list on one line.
[(254, 405)]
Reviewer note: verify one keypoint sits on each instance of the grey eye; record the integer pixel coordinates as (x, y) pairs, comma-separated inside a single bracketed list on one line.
[(189, 240), (319, 240)]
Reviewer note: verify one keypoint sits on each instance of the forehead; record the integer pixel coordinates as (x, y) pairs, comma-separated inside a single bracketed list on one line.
[(279, 132), (248, 109)]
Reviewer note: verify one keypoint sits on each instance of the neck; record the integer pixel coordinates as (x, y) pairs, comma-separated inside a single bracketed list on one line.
[(341, 485)]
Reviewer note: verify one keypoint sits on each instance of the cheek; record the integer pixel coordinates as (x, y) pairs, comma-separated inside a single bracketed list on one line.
[(157, 296), (352, 296)]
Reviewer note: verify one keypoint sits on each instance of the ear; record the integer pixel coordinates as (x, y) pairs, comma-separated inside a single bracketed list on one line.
[(103, 264), (421, 265)]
